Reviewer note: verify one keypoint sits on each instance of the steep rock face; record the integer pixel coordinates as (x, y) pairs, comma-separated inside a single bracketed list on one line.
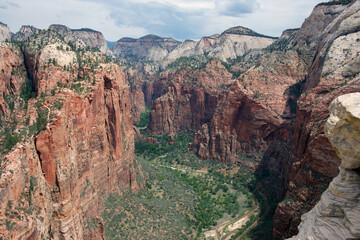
[(256, 109), (147, 48), (89, 37), (187, 98), (136, 80), (12, 74), (239, 125), (333, 72), (184, 49), (52, 63), (25, 32), (336, 216), (5, 33), (231, 44), (56, 181), (309, 34), (93, 39)]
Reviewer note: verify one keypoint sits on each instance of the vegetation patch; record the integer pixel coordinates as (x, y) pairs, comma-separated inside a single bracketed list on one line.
[(161, 210), (191, 62), (192, 194)]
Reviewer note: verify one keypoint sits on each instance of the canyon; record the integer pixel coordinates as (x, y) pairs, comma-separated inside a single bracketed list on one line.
[(69, 106)]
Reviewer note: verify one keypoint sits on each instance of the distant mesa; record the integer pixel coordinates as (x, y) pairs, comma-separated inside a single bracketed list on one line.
[(85, 30), (151, 37), (239, 30), (127, 39), (61, 29)]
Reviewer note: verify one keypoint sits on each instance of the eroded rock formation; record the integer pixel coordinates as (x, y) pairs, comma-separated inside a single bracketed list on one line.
[(333, 72), (91, 38), (281, 100), (186, 98), (25, 33), (5, 33), (76, 141), (230, 44), (337, 215)]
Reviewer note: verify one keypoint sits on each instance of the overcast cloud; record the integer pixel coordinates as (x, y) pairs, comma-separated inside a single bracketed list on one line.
[(180, 19)]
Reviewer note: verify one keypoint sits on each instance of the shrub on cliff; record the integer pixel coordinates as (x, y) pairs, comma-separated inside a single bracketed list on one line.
[(10, 141)]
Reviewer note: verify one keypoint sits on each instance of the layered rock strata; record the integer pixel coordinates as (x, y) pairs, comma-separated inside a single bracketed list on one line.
[(337, 215), (230, 44), (91, 38), (25, 33), (186, 98), (76, 141), (333, 72), (5, 33)]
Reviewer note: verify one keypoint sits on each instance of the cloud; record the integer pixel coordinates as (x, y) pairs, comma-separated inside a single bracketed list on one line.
[(236, 7), (161, 18), (181, 19), (8, 5), (12, 4)]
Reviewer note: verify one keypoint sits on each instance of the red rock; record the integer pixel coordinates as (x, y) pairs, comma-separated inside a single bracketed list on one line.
[(185, 99), (85, 153)]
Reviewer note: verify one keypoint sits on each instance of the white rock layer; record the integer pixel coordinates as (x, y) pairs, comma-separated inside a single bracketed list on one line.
[(337, 215)]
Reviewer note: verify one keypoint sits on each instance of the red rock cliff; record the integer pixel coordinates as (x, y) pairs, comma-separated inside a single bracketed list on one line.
[(54, 183), (333, 72), (262, 112), (186, 98)]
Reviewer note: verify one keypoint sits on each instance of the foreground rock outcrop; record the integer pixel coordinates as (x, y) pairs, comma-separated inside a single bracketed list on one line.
[(337, 215)]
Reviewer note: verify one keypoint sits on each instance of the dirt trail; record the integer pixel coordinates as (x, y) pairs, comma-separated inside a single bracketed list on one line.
[(229, 228), (260, 218)]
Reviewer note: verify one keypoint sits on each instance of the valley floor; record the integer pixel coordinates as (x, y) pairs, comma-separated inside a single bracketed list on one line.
[(184, 197)]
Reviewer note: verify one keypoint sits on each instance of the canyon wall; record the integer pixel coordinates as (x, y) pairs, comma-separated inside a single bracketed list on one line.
[(333, 72), (185, 98), (278, 107), (76, 141), (337, 214)]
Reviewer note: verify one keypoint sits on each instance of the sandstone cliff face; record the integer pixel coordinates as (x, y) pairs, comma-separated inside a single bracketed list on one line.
[(256, 109), (53, 184), (49, 60), (12, 75), (337, 215), (89, 37), (242, 128), (231, 44), (330, 75), (5, 33), (147, 48), (93, 39), (161, 52), (280, 100), (25, 32), (185, 99)]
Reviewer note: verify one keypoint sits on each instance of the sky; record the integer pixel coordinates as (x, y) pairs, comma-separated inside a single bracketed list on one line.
[(180, 19)]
